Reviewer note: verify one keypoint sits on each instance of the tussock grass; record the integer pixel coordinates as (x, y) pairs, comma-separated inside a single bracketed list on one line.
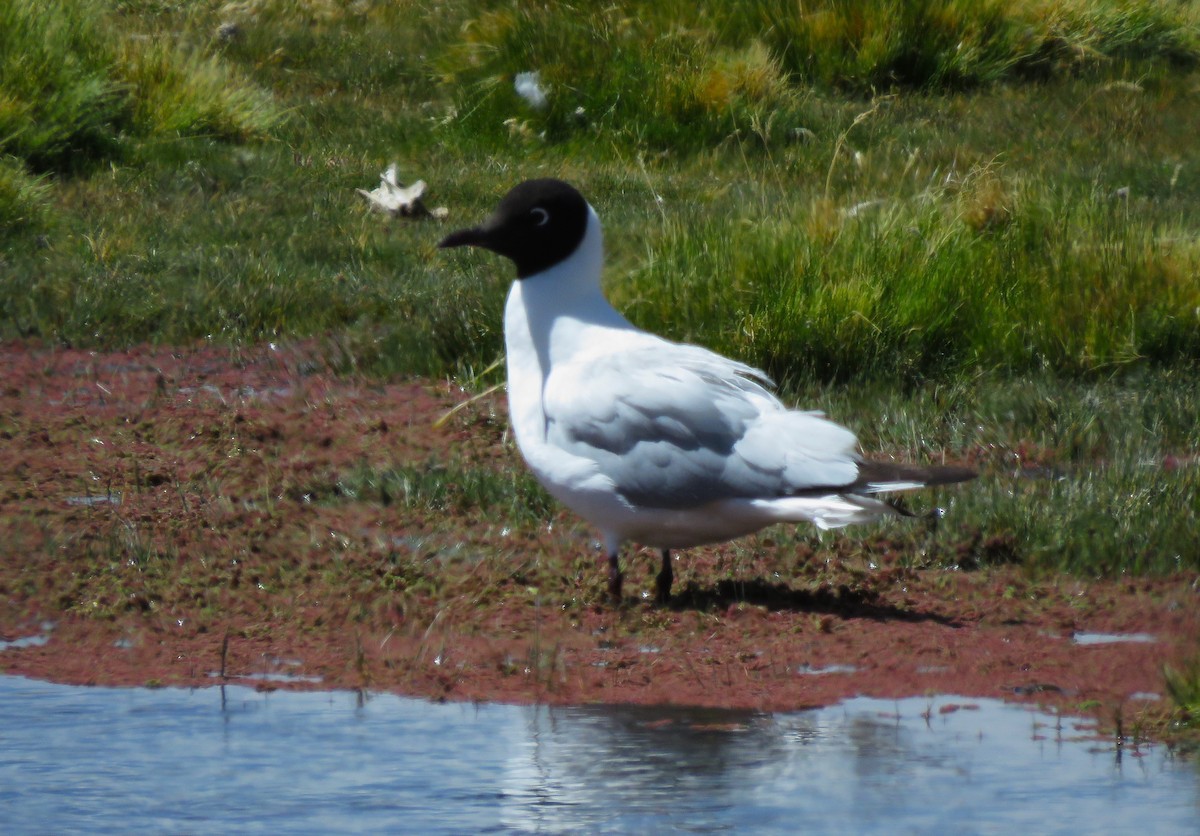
[(76, 87), (1122, 29), (662, 85), (681, 75), (176, 92), (942, 44), (59, 97), (23, 197), (1014, 277), (901, 42)]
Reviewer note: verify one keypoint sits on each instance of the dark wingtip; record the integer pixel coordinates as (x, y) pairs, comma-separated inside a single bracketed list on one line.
[(950, 474), (473, 237), (878, 474)]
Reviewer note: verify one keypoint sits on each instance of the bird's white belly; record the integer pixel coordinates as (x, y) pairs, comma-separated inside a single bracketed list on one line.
[(713, 522), (594, 498)]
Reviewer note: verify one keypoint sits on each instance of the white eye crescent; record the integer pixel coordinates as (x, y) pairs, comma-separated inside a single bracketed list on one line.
[(541, 215)]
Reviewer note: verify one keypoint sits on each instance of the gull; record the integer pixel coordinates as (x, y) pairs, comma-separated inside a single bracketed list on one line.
[(664, 444)]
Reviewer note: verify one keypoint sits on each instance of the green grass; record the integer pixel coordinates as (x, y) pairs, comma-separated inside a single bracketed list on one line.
[(1084, 476), (59, 98), (939, 44), (78, 89), (23, 197), (1183, 686), (956, 226), (454, 488), (938, 280)]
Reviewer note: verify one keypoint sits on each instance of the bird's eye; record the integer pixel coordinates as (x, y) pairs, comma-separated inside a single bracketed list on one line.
[(540, 216)]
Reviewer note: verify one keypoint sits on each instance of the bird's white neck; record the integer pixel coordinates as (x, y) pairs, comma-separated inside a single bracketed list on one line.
[(548, 318)]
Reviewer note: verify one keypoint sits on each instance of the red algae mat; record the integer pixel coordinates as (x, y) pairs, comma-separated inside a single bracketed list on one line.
[(185, 517)]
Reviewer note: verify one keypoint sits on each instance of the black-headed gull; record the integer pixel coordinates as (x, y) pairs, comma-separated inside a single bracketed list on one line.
[(665, 444)]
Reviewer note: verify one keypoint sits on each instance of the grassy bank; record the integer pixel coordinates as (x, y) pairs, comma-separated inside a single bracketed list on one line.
[(961, 228)]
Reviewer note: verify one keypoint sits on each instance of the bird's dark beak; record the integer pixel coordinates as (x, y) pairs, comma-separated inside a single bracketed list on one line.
[(476, 236)]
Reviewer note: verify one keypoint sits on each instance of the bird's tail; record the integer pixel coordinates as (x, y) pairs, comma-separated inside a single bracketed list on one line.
[(856, 503), (830, 510)]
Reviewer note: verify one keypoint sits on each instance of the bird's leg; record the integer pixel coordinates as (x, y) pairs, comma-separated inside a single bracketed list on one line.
[(664, 579), (614, 576)]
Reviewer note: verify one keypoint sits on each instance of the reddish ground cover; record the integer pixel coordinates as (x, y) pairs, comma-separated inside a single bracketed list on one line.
[(178, 517)]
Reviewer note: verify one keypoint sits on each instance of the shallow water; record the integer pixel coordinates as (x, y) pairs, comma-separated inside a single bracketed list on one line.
[(198, 761), (1113, 638)]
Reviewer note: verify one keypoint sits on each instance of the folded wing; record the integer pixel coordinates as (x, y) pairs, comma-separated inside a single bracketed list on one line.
[(675, 426)]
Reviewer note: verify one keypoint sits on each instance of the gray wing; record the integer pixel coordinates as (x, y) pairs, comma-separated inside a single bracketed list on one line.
[(674, 426)]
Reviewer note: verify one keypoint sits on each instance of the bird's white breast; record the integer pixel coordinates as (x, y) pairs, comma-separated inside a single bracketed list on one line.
[(550, 318)]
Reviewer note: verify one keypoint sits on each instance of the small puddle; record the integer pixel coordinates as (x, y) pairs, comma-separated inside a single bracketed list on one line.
[(231, 759), (280, 672), (1113, 638), (92, 501), (822, 670), (36, 640)]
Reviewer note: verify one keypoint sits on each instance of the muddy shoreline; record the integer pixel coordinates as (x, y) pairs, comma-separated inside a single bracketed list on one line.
[(174, 517)]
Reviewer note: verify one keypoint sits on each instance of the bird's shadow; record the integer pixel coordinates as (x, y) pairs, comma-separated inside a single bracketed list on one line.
[(842, 601)]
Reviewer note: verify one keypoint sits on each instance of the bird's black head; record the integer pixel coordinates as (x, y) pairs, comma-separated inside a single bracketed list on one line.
[(537, 224)]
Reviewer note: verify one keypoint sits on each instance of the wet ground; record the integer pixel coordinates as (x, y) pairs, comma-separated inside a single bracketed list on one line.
[(181, 516)]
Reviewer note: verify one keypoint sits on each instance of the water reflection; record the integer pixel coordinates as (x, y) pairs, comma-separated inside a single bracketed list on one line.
[(169, 760), (641, 765)]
